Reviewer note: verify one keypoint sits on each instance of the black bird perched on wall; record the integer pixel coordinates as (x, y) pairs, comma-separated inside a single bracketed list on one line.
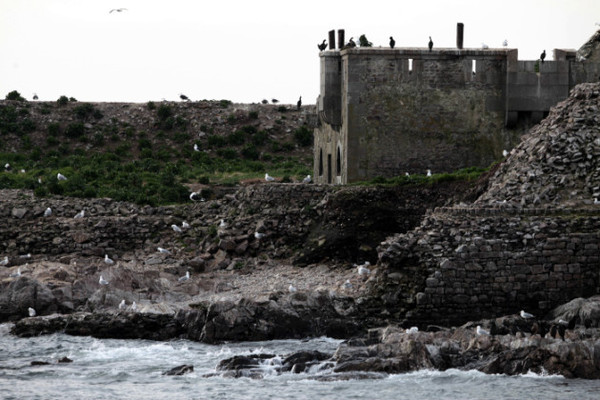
[(299, 104), (184, 97), (351, 43), (543, 55), (430, 43), (274, 101), (392, 42), (322, 46), (35, 96)]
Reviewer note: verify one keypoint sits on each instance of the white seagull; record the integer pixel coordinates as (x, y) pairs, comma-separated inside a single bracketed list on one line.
[(526, 315), (4, 261), (428, 172), (292, 289), (133, 306), (269, 178), (504, 153), (347, 284), (48, 212), (7, 166), (164, 251), (363, 270), (185, 225), (196, 147), (307, 179), (222, 224), (505, 43), (481, 331), (31, 312), (176, 228), (596, 201), (122, 305), (102, 281), (186, 277), (80, 214), (195, 196), (16, 274), (259, 235), (61, 177), (484, 46), (412, 329), (108, 260)]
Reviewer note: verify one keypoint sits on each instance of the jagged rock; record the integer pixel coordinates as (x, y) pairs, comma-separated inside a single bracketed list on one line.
[(180, 370)]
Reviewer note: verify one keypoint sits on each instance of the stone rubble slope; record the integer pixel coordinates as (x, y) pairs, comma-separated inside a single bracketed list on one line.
[(558, 161)]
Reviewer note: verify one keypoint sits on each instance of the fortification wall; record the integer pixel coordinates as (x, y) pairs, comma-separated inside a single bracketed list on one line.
[(491, 262)]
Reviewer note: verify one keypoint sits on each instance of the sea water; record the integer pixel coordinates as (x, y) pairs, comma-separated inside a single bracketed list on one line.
[(133, 369)]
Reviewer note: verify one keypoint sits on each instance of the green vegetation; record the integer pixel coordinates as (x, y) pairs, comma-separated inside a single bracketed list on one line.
[(363, 42), (14, 95), (465, 174)]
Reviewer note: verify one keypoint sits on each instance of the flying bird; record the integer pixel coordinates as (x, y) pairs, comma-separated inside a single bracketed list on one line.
[(430, 43), (323, 45), (102, 281), (48, 212), (31, 311), (61, 177), (307, 179), (117, 10), (269, 178), (526, 315), (543, 56), (108, 260), (186, 277), (392, 42)]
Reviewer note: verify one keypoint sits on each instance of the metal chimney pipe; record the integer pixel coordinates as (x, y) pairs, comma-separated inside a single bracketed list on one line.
[(460, 30)]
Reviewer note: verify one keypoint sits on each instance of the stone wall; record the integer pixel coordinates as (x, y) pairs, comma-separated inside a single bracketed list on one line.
[(490, 262)]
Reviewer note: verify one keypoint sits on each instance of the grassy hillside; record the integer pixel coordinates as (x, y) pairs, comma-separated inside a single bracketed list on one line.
[(145, 153)]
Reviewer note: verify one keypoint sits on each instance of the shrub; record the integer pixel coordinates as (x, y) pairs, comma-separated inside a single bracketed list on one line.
[(250, 152), (249, 129), (228, 154), (363, 42), (216, 141), (224, 103), (260, 138), (14, 95), (75, 130), (253, 115), (53, 129), (151, 106), (236, 138), (84, 110), (62, 100), (282, 109), (303, 136), (72, 99), (164, 111)]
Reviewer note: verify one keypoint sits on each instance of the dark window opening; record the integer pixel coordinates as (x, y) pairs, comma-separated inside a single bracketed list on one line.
[(329, 168), (338, 162), (321, 162)]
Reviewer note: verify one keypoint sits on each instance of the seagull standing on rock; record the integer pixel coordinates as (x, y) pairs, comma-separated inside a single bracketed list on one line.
[(16, 274), (80, 214), (176, 228), (185, 225), (108, 260), (61, 177), (525, 315), (32, 312), (481, 331), (292, 289), (4, 262), (259, 235), (48, 212), (164, 251), (363, 270), (195, 196), (122, 305), (269, 178), (133, 307), (307, 179), (102, 281), (186, 277)]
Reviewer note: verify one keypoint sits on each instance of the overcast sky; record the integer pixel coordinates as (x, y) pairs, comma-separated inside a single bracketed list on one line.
[(243, 50)]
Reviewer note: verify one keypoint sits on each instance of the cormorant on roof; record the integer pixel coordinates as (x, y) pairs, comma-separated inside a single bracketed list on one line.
[(351, 42), (35, 96), (299, 104), (392, 42), (322, 46), (543, 55), (184, 97), (430, 43)]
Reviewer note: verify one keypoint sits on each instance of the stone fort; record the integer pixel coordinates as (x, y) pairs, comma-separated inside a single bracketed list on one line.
[(387, 112)]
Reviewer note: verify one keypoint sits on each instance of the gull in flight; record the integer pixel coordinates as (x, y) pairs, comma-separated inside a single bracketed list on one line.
[(186, 277), (117, 10), (108, 260)]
